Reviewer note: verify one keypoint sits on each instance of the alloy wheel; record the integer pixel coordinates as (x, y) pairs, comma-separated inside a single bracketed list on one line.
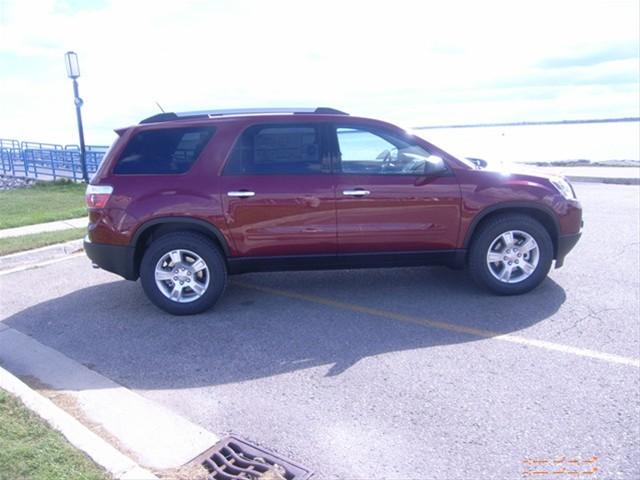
[(513, 256), (182, 276)]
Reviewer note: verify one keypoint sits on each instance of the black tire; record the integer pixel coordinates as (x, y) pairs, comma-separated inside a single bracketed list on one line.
[(198, 244), (484, 237)]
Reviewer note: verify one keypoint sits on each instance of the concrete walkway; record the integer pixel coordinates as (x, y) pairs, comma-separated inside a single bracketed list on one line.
[(44, 227)]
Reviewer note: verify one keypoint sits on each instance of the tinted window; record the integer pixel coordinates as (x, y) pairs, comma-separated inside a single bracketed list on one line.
[(277, 149), (375, 153), (165, 151)]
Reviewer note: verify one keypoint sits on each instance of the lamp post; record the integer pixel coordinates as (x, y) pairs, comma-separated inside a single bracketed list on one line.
[(73, 72)]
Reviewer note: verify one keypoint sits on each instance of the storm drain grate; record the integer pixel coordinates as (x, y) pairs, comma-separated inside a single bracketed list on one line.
[(235, 459)]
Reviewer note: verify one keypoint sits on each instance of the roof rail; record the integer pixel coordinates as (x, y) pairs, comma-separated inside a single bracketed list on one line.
[(167, 116)]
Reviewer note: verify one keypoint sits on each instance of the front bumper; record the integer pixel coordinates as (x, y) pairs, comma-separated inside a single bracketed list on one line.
[(117, 259), (565, 245)]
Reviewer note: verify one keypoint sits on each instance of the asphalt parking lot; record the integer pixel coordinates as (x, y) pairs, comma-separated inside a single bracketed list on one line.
[(400, 373)]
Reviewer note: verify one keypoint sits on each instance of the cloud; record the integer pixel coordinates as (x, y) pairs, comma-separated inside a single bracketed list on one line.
[(595, 57), (414, 62), (611, 73)]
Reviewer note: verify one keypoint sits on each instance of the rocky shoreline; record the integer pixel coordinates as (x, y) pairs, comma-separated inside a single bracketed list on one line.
[(586, 163), (10, 183)]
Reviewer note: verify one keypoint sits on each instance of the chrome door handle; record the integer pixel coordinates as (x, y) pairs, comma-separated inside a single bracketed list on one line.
[(356, 192), (241, 194)]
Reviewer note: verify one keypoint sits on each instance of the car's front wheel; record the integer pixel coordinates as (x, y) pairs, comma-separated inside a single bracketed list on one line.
[(183, 273), (511, 254)]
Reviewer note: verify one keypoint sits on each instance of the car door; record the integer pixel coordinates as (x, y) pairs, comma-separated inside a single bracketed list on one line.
[(278, 192), (392, 195)]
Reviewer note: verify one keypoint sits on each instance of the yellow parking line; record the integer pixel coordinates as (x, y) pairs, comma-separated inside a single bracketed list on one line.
[(558, 347)]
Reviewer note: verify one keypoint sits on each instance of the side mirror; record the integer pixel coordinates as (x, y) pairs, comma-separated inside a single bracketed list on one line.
[(434, 164), (478, 162)]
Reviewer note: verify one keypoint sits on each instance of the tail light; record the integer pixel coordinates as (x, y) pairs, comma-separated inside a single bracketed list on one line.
[(97, 196)]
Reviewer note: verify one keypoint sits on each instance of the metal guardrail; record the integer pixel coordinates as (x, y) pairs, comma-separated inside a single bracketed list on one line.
[(47, 161)]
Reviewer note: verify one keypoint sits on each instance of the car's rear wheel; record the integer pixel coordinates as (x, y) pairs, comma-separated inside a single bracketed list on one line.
[(183, 273), (511, 254)]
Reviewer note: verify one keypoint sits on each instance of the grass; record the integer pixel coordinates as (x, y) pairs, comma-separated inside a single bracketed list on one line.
[(43, 202), (37, 240), (31, 450)]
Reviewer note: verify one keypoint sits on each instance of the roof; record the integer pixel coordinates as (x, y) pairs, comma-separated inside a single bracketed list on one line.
[(170, 116)]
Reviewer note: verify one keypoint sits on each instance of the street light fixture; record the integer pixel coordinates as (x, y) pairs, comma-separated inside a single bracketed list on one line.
[(73, 72), (73, 67)]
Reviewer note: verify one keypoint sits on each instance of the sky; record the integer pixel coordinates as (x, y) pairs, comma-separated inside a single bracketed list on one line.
[(413, 63)]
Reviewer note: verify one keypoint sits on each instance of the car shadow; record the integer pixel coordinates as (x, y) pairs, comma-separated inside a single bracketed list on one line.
[(343, 317)]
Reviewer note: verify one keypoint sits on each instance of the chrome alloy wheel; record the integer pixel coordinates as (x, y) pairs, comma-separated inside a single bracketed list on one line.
[(513, 256), (182, 276)]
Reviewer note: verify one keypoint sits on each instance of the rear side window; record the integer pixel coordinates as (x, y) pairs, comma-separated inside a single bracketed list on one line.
[(278, 150), (163, 151)]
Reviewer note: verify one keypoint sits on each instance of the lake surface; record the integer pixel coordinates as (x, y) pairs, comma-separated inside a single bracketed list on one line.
[(530, 143)]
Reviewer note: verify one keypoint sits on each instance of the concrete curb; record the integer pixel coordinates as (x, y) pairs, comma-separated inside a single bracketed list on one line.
[(117, 464), (38, 255), (146, 431)]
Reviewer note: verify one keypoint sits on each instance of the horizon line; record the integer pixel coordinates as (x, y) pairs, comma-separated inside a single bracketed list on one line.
[(527, 123)]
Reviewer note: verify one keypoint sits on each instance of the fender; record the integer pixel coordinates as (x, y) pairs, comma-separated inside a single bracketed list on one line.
[(546, 211), (200, 224)]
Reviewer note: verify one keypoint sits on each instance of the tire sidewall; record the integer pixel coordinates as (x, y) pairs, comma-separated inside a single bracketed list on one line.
[(481, 244), (197, 244)]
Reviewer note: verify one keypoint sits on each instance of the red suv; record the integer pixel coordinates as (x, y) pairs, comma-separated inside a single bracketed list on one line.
[(184, 199)]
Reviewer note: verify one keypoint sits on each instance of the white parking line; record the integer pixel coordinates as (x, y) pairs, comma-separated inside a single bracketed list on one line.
[(558, 347)]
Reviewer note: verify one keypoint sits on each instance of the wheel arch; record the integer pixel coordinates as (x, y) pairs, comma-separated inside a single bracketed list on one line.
[(542, 214), (157, 227)]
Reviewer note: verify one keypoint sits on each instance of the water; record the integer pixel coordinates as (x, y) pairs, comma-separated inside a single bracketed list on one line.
[(531, 143)]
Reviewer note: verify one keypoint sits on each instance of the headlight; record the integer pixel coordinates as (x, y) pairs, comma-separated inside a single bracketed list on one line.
[(564, 187)]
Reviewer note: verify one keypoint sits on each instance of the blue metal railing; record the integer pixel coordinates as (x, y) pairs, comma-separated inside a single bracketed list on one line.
[(47, 161)]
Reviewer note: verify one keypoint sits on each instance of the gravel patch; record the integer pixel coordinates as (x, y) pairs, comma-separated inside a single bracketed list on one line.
[(10, 183)]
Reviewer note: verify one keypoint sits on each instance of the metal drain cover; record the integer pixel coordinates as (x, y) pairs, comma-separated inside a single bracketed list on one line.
[(235, 459)]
